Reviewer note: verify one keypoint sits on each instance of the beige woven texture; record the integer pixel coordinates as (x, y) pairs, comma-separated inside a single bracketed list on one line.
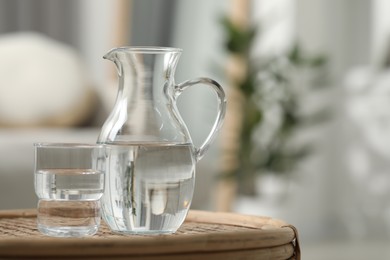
[(204, 235)]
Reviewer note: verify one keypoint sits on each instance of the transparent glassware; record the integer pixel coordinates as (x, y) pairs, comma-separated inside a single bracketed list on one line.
[(150, 155), (68, 181)]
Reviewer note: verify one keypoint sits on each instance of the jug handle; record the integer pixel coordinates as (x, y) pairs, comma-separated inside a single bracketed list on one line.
[(221, 97)]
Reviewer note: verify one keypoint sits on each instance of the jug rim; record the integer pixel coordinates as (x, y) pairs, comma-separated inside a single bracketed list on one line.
[(149, 49)]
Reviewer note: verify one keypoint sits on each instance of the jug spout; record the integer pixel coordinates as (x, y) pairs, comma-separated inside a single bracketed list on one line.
[(144, 58), (111, 55)]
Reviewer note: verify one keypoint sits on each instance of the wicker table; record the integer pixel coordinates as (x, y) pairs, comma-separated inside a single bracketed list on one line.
[(204, 235)]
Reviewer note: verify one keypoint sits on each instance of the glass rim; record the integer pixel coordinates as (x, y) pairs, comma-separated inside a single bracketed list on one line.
[(66, 145), (149, 49)]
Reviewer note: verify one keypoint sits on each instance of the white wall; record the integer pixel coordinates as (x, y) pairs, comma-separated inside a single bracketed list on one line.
[(380, 34), (97, 32), (198, 32)]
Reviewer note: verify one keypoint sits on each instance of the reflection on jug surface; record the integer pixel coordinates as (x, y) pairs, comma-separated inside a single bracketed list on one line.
[(150, 186)]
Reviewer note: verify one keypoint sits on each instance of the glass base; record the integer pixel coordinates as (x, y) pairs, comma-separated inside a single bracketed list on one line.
[(68, 231)]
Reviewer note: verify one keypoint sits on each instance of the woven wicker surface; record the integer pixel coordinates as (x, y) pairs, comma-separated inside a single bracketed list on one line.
[(204, 234)]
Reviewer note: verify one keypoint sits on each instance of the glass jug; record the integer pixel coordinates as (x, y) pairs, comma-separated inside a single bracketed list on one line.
[(150, 156)]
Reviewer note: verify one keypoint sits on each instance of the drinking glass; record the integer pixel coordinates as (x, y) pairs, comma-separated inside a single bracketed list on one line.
[(69, 182)]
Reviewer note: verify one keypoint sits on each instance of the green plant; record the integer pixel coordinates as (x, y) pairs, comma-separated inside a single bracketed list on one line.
[(271, 110)]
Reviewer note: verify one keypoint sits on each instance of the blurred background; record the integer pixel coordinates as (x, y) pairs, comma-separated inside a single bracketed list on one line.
[(306, 138)]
